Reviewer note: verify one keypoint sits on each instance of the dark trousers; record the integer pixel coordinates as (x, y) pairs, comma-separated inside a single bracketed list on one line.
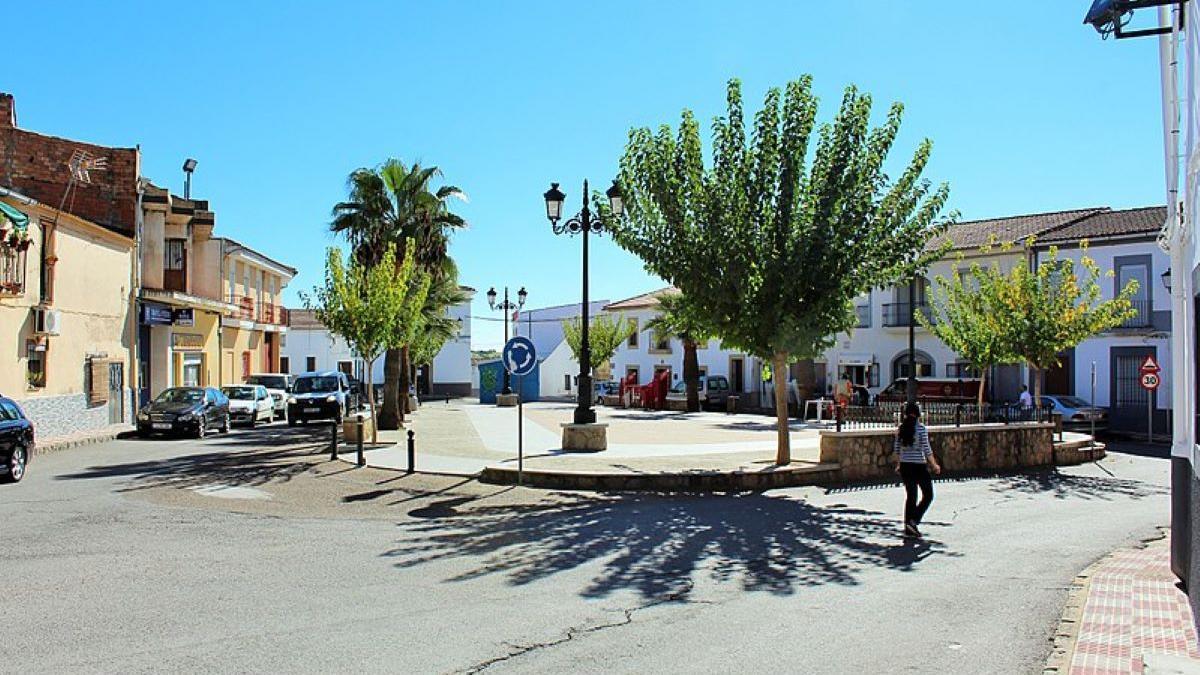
[(916, 475)]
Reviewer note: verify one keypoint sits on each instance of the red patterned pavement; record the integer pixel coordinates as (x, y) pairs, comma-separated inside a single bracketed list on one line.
[(1132, 608)]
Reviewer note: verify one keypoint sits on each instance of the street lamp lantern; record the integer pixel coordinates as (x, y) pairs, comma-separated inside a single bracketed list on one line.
[(1166, 279), (521, 295), (615, 201), (554, 202), (506, 307), (491, 296)]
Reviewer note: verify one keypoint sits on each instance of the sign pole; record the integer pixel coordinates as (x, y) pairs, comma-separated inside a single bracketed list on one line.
[(1093, 404), (1150, 416), (520, 358), (520, 428)]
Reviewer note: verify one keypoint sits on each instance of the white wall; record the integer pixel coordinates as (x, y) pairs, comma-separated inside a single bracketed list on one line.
[(713, 358), (328, 349)]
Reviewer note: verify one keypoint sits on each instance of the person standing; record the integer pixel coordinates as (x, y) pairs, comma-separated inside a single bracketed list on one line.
[(844, 393), (914, 461)]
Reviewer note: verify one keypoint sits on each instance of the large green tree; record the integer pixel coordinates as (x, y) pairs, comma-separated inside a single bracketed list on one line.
[(396, 203), (773, 243), (363, 304), (679, 318)]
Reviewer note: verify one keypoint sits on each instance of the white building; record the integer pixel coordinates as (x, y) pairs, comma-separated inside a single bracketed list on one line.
[(557, 368), (309, 346), (876, 353)]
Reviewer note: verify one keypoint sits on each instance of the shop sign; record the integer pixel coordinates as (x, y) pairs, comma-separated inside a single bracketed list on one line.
[(187, 342), (157, 315), (184, 316)]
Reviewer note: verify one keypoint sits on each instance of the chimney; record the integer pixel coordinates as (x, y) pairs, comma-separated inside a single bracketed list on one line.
[(8, 110)]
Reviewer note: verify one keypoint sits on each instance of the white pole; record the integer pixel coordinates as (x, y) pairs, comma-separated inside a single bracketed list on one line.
[(1093, 404)]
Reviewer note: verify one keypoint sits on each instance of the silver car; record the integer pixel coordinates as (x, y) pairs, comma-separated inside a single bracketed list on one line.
[(714, 391), (1075, 411)]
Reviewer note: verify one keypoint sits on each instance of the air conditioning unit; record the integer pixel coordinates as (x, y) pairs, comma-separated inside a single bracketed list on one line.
[(46, 321)]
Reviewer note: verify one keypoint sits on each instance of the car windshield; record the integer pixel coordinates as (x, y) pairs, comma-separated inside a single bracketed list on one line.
[(180, 396), (268, 381), (307, 385), (1073, 402), (239, 393), (679, 387)]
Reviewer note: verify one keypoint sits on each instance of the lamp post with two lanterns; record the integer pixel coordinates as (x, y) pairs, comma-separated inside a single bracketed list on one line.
[(506, 307), (584, 223)]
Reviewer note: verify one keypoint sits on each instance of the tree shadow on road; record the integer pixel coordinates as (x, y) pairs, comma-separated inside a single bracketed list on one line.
[(1064, 485), (654, 544), (246, 459)]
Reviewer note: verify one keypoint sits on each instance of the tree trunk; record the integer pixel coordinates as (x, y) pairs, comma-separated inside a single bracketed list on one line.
[(371, 403), (389, 416), (691, 375), (405, 381), (1037, 387), (979, 396), (783, 452)]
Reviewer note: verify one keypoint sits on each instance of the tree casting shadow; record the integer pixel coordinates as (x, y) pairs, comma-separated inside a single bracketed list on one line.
[(653, 544)]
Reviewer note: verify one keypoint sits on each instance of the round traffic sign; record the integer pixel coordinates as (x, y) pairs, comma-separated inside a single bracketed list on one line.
[(519, 356), (1150, 381)]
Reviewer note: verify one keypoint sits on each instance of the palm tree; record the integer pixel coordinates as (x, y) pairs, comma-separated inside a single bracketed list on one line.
[(437, 327), (395, 204), (679, 319)]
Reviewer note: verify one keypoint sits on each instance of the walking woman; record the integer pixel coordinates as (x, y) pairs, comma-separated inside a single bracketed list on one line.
[(914, 461)]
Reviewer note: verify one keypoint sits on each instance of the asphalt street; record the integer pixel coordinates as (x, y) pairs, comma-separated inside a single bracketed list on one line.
[(254, 552)]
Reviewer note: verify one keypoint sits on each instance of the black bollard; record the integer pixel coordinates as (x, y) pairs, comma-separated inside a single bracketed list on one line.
[(333, 441), (362, 461), (412, 450)]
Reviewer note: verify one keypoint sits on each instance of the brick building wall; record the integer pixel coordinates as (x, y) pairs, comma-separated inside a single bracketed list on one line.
[(36, 165)]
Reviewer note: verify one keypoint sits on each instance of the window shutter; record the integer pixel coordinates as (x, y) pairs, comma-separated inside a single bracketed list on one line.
[(97, 381), (874, 375)]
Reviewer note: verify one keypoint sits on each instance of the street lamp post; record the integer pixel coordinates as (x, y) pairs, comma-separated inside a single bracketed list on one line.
[(505, 307), (911, 390), (583, 224)]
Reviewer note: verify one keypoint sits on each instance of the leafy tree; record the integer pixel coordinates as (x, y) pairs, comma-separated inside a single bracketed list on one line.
[(396, 204), (964, 315), (362, 303), (437, 327), (775, 246), (1044, 311), (681, 319), (605, 335)]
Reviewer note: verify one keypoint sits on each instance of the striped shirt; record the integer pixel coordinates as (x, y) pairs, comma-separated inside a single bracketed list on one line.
[(919, 451)]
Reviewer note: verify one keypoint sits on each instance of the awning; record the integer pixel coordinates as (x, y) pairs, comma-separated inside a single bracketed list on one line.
[(20, 220), (856, 359)]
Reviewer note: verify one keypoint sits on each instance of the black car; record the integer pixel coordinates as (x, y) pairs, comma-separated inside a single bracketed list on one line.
[(185, 410), (16, 441), (319, 396)]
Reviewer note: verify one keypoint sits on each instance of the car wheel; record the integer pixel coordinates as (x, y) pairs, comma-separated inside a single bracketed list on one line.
[(253, 420), (225, 424), (291, 423), (17, 462)]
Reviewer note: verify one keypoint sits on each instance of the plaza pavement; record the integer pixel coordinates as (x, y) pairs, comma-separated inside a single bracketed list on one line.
[(463, 438)]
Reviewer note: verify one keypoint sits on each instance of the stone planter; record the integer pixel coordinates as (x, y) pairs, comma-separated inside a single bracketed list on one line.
[(350, 429), (584, 437), (506, 400)]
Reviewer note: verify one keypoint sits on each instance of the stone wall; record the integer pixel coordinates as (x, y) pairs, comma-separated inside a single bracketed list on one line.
[(868, 453), (54, 416)]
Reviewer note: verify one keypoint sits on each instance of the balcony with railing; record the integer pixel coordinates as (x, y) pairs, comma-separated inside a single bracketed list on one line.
[(248, 309), (1143, 315), (900, 314)]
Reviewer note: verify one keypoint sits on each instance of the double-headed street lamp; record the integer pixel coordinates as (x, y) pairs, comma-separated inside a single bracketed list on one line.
[(584, 224), (506, 307)]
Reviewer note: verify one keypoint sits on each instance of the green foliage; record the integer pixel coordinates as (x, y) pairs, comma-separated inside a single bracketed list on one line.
[(775, 245), (776, 249), (682, 319), (605, 335), (437, 327)]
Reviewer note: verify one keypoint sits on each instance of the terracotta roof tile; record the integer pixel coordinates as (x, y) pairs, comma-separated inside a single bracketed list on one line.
[(1146, 221), (644, 300), (304, 319), (1011, 229)]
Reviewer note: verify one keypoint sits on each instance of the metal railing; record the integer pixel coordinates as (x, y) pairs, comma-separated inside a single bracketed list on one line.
[(1143, 317), (938, 413), (262, 312), (901, 314)]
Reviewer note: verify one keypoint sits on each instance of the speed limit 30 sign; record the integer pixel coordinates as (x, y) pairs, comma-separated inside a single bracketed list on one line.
[(1150, 381)]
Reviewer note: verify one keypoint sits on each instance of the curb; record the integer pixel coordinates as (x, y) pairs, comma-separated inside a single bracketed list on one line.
[(693, 481), (56, 445)]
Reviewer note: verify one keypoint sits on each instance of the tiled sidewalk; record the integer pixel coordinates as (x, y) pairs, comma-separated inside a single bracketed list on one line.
[(1130, 611)]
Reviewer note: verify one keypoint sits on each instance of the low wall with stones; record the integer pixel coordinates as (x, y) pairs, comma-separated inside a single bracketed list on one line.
[(61, 415), (868, 453)]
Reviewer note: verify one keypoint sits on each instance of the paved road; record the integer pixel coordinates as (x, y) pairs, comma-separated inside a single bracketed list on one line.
[(249, 552)]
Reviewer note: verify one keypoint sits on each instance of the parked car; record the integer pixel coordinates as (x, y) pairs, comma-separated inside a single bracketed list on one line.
[(933, 389), (249, 404), (16, 441), (189, 410), (1075, 411), (319, 396), (602, 389), (714, 391), (277, 385)]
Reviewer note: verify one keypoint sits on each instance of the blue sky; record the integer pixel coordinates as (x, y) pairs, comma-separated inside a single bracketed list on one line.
[(1028, 109)]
